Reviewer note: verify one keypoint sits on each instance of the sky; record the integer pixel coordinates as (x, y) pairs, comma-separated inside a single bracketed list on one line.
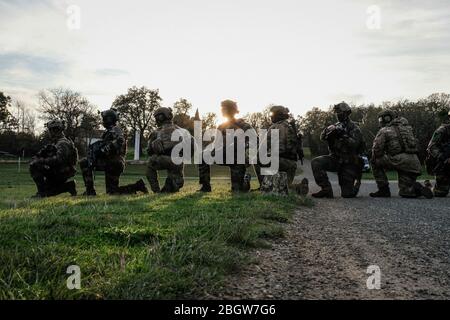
[(300, 54)]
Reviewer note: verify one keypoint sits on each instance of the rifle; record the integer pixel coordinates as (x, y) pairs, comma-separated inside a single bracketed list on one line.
[(48, 151), (299, 139), (94, 153)]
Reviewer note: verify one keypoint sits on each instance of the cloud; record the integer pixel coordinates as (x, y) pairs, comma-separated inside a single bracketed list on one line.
[(111, 72)]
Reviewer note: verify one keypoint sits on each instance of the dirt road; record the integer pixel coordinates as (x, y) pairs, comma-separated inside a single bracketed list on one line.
[(328, 248)]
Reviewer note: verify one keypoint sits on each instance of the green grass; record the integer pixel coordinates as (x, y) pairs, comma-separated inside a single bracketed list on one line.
[(134, 247)]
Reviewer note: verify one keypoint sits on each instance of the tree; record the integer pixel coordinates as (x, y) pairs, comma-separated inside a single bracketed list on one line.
[(136, 109), (209, 121), (181, 116), (70, 106), (25, 118), (259, 120), (7, 121)]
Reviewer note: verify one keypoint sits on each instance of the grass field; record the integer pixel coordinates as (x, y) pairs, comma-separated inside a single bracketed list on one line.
[(135, 247)]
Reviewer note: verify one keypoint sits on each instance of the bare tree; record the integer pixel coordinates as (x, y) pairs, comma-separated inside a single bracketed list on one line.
[(70, 106), (26, 119)]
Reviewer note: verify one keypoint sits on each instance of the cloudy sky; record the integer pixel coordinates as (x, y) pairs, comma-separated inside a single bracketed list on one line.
[(297, 53)]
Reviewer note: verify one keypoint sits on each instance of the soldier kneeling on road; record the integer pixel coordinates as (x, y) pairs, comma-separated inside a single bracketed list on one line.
[(395, 148), (290, 151), (438, 160), (108, 155), (55, 164), (160, 150), (346, 145)]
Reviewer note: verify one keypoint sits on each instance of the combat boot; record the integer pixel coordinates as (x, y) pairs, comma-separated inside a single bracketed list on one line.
[(302, 188), (324, 193), (246, 185), (423, 191), (140, 186), (90, 192), (383, 192), (71, 188), (206, 187)]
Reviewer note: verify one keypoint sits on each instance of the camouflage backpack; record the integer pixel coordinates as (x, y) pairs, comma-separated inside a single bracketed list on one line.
[(406, 138)]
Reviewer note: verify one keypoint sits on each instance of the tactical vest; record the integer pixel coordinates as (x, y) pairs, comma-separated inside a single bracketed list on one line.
[(405, 135)]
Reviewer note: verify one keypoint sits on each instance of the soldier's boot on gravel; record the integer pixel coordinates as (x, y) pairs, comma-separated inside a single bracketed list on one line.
[(206, 187), (383, 192), (324, 193), (423, 191), (302, 188)]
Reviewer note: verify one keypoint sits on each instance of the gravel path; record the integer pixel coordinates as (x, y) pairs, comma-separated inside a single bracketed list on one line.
[(328, 248)]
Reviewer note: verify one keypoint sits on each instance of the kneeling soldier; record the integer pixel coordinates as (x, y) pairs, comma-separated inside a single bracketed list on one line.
[(438, 161), (108, 155), (346, 144), (160, 150), (395, 148), (290, 147), (55, 164)]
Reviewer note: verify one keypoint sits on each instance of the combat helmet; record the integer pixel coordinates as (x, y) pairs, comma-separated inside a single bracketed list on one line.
[(110, 117), (166, 112), (342, 107), (58, 125), (229, 107), (386, 116), (278, 113)]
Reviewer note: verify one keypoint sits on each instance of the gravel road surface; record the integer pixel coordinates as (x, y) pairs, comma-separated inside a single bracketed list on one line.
[(328, 248)]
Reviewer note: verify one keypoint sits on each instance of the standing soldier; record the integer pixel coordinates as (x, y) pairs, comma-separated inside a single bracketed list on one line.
[(346, 144), (438, 161), (395, 147), (160, 150), (290, 146), (240, 181), (55, 164), (108, 155)]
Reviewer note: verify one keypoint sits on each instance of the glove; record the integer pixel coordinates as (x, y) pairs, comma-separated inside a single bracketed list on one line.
[(105, 150)]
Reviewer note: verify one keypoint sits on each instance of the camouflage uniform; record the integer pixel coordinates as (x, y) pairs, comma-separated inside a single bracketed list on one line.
[(288, 142), (111, 161), (239, 180), (346, 144), (52, 167), (160, 149), (395, 148), (440, 138)]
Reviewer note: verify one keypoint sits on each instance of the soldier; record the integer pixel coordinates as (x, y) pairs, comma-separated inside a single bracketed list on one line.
[(395, 147), (439, 156), (346, 144), (55, 164), (290, 147), (108, 155), (160, 149), (240, 181)]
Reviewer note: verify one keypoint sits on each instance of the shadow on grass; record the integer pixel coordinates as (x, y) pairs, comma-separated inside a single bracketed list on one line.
[(135, 247)]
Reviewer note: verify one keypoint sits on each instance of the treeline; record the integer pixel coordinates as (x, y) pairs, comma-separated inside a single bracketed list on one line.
[(423, 116), (18, 134)]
